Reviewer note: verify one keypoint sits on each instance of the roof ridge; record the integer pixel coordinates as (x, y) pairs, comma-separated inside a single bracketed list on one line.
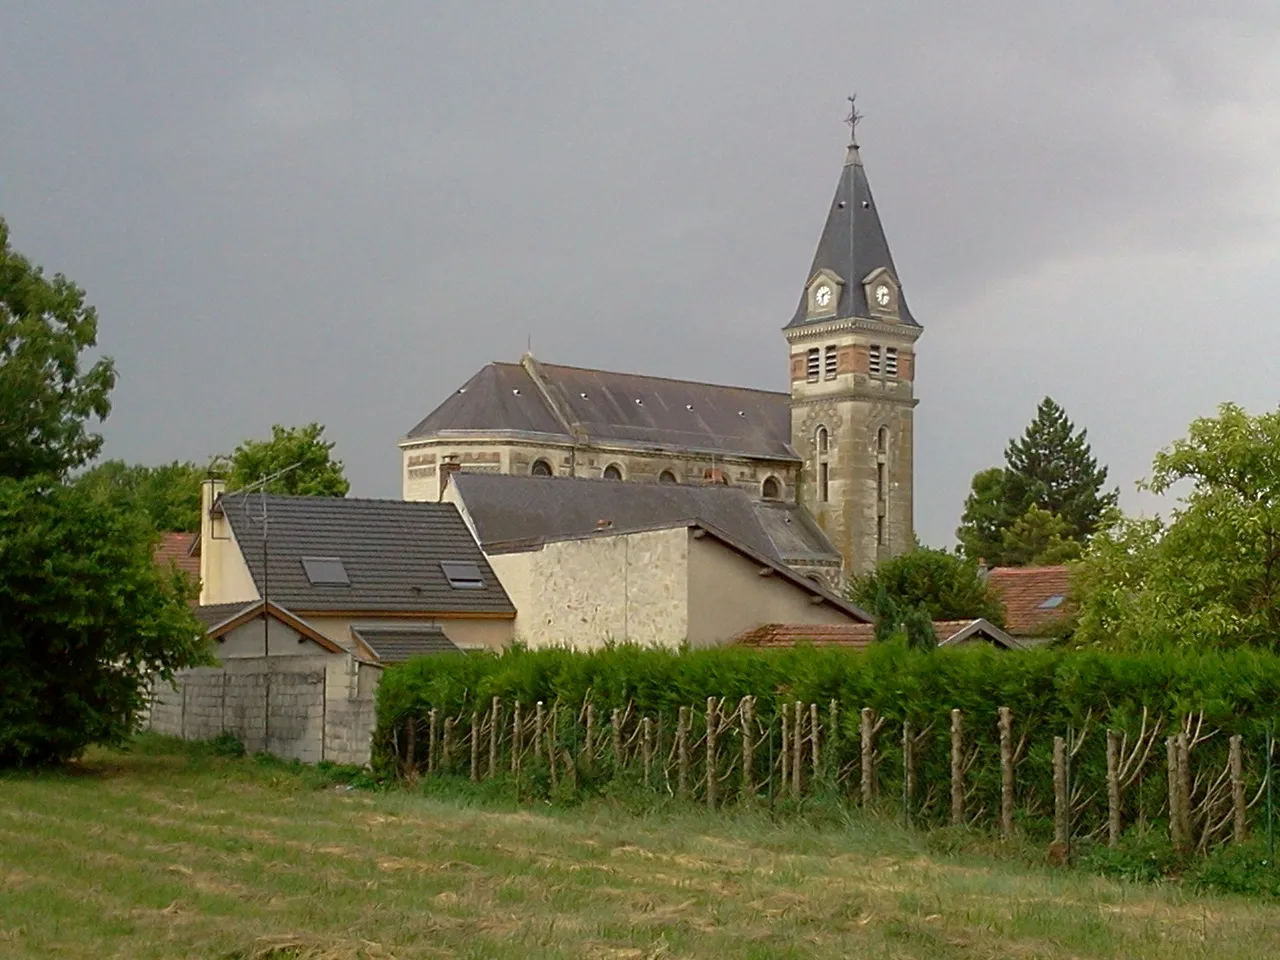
[(311, 498), (644, 376)]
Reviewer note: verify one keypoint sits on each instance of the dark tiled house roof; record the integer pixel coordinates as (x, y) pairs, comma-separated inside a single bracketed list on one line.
[(174, 549), (398, 644), (393, 554), (600, 406), (515, 510), (1034, 598)]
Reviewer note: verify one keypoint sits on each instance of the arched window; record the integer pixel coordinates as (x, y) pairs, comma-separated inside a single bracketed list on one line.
[(666, 476), (772, 489), (882, 486), (540, 468), (823, 442), (613, 472), (882, 440)]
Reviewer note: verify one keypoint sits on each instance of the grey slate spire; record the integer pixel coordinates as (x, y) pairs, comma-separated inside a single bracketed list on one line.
[(853, 242)]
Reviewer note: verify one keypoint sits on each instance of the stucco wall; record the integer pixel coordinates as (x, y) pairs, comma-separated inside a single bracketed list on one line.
[(626, 587), (727, 595)]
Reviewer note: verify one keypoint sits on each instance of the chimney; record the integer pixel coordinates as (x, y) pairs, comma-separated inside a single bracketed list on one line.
[(448, 467), (982, 568), (603, 524), (210, 490), (714, 475)]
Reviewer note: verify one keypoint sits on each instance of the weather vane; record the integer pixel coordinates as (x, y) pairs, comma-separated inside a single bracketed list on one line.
[(852, 120)]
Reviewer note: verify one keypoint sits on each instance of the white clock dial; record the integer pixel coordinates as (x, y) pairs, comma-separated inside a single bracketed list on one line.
[(822, 296), (882, 295)]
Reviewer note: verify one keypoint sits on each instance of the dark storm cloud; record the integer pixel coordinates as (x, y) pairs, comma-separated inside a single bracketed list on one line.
[(298, 211)]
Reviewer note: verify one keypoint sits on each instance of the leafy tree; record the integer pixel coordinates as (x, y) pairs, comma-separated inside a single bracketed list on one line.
[(168, 494), (317, 474), (88, 620), (947, 587), (1211, 575), (45, 396), (1050, 467), (1039, 537)]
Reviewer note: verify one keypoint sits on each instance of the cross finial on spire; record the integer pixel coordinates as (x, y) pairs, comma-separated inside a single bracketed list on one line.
[(852, 120)]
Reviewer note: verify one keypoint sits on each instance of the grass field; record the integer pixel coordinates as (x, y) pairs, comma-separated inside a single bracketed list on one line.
[(170, 851)]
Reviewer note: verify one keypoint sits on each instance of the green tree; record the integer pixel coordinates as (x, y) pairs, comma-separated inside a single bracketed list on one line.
[(169, 494), (947, 587), (46, 398), (1051, 467), (1211, 575), (317, 474), (1039, 537), (88, 620)]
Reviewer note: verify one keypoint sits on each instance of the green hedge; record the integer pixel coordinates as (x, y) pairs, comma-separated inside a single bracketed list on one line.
[(1050, 693)]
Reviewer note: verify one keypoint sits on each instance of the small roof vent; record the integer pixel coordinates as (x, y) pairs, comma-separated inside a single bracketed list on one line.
[(325, 572), (463, 576)]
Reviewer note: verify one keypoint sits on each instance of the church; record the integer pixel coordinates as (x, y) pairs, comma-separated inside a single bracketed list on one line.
[(827, 465)]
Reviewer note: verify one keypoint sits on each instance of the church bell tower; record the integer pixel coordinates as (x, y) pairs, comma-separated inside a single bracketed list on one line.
[(852, 346)]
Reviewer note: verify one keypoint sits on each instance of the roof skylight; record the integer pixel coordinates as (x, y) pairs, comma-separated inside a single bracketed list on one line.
[(1053, 602), (463, 576), (326, 571)]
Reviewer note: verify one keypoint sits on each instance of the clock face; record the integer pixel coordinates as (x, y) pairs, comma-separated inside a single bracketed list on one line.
[(822, 296), (883, 295)]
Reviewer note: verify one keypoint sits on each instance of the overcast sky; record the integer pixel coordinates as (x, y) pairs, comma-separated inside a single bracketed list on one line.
[(301, 211)]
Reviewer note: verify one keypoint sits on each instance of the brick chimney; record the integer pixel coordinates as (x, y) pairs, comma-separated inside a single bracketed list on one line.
[(448, 467)]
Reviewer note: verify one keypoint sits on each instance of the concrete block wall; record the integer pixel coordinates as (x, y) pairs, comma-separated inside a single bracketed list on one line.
[(303, 708)]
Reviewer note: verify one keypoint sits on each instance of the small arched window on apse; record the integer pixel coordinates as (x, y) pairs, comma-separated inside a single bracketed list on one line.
[(540, 468), (613, 472), (666, 476), (771, 489)]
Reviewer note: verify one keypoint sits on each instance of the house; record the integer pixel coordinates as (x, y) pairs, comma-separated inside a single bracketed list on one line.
[(1036, 600), (836, 445), (858, 636), (373, 577), (589, 561), (174, 551)]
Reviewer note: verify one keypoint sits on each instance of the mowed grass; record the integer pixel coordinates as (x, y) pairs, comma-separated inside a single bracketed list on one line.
[(168, 851)]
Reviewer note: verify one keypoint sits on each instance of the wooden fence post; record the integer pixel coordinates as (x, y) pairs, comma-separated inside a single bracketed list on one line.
[(1237, 790), (475, 747), (813, 737), (646, 749), (433, 725), (1113, 788), (589, 740), (1060, 792), (797, 757), (1184, 788), (682, 754), (866, 736), (785, 774), (495, 731), (1006, 771), (553, 749), (747, 709), (616, 732), (1175, 819), (449, 725), (713, 724), (833, 729), (908, 769), (957, 768), (539, 729), (517, 740)]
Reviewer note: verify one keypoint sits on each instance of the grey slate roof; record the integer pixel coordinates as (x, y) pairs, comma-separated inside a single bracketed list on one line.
[(398, 644), (600, 406), (391, 550), (852, 245), (212, 614), (514, 511)]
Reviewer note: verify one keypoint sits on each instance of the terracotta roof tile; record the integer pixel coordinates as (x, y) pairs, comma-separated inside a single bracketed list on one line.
[(172, 549), (854, 636), (1026, 590)]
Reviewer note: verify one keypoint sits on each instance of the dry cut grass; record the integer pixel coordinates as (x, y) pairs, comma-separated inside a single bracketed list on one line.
[(168, 852)]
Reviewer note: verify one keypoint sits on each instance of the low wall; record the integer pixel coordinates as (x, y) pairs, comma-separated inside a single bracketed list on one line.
[(304, 708)]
